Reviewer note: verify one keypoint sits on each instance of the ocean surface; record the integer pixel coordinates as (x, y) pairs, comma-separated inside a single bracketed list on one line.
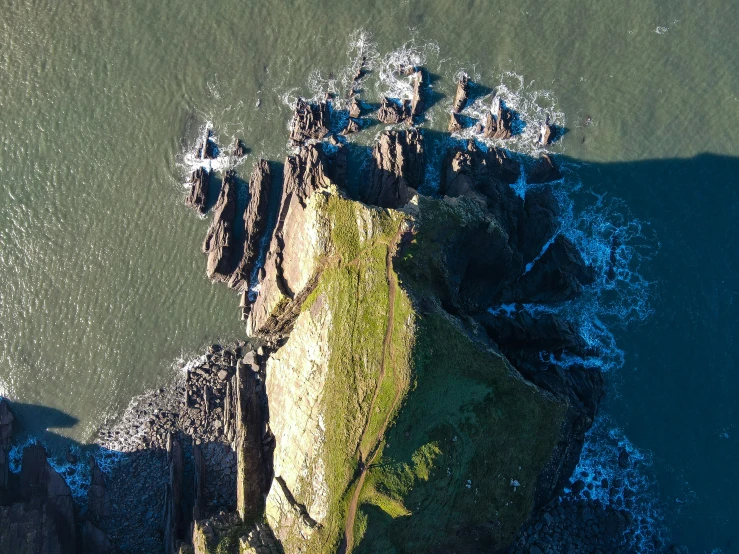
[(103, 290)]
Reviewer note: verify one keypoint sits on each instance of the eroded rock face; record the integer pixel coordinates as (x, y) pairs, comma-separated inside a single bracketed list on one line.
[(398, 168), (546, 132), (296, 241), (199, 185), (219, 241), (298, 425), (255, 222), (310, 121)]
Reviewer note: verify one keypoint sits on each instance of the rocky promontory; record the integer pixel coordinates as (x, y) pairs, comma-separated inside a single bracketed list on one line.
[(383, 401)]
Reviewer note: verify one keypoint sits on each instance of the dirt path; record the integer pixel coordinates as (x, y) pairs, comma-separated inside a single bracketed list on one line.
[(366, 459)]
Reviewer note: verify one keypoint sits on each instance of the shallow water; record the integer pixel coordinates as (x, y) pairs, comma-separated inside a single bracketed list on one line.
[(103, 285)]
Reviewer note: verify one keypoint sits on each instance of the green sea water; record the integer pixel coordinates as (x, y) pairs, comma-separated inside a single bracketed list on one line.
[(102, 284)]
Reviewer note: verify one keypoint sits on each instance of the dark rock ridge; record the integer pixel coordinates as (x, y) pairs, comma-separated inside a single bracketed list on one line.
[(255, 221), (310, 121), (199, 186), (463, 91), (397, 170), (546, 133), (207, 147), (219, 241)]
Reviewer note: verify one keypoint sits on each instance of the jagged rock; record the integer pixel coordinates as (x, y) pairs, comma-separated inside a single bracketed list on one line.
[(239, 149), (460, 98), (352, 126), (546, 131), (98, 499), (207, 148), (471, 169), (6, 432), (310, 121), (498, 122), (397, 170), (557, 276), (218, 243), (255, 221), (199, 185), (418, 99), (545, 170), (292, 255), (355, 108), (455, 124), (392, 112)]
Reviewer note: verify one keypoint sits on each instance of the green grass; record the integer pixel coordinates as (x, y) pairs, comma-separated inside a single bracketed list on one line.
[(466, 419), (355, 286), (456, 414)]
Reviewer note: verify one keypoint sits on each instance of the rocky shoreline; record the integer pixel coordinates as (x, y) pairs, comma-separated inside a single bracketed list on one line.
[(240, 453)]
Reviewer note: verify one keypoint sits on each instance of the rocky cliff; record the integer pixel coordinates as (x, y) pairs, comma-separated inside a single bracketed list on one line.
[(382, 403)]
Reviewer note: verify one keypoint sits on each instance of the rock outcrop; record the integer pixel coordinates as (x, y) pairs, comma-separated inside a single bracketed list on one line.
[(498, 121), (397, 170), (219, 241), (310, 121), (255, 222), (197, 198), (463, 91), (546, 133), (393, 111)]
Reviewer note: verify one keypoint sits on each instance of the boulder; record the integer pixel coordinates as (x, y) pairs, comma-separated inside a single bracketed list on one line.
[(463, 90), (219, 241), (199, 185), (255, 222), (310, 121), (397, 169)]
